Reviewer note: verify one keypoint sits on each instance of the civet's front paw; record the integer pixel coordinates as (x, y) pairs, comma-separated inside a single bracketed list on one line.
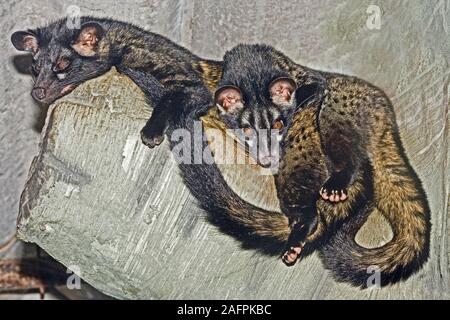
[(151, 138), (335, 188)]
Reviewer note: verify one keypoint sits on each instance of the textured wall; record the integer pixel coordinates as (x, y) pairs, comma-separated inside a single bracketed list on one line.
[(408, 57)]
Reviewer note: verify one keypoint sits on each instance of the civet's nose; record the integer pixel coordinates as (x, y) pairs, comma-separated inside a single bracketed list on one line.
[(38, 93)]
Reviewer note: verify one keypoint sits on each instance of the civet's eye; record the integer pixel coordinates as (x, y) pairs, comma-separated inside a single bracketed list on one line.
[(62, 64), (278, 124), (248, 131)]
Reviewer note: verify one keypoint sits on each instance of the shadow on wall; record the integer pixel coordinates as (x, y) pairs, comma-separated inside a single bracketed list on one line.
[(22, 64)]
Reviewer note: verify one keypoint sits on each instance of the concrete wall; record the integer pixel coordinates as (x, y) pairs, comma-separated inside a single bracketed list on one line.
[(408, 57)]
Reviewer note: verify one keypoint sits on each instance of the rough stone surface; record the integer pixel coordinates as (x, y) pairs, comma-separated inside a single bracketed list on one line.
[(21, 119), (408, 58)]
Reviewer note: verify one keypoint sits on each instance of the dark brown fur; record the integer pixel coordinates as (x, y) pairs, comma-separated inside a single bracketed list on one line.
[(350, 127), (356, 120)]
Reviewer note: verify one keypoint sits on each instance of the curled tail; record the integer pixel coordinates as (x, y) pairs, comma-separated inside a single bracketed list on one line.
[(399, 196), (255, 227)]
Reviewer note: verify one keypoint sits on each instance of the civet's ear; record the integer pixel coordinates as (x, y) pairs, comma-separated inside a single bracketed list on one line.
[(25, 41), (282, 91), (85, 42), (229, 99)]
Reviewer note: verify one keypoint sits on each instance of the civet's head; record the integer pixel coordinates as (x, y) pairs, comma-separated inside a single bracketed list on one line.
[(257, 97), (63, 57)]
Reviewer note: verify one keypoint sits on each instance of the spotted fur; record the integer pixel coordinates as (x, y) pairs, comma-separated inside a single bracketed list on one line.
[(350, 126)]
